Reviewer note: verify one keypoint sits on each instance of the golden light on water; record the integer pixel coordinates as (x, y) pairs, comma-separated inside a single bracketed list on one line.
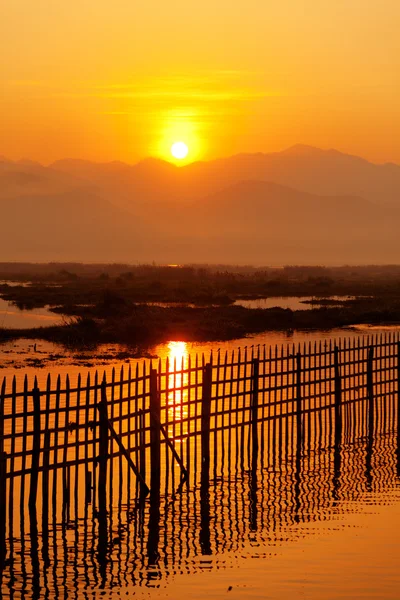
[(177, 351), (177, 400)]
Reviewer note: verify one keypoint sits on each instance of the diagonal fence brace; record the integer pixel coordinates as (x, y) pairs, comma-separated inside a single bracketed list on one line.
[(171, 446), (102, 407)]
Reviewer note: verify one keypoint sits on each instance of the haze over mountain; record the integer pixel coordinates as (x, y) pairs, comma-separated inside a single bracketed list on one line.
[(302, 205), (325, 172)]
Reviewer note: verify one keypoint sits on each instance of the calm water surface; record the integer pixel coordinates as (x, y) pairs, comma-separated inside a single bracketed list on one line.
[(319, 522), (296, 529), (291, 302), (20, 357), (353, 556), (14, 318)]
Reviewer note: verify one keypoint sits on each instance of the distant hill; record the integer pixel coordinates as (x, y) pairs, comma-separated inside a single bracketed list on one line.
[(303, 205), (322, 172), (255, 219), (26, 177)]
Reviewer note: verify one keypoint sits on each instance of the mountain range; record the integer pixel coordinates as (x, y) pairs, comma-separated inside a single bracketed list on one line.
[(302, 205)]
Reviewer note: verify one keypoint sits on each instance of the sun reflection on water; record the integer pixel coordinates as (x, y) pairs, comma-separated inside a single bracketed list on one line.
[(177, 379), (177, 351)]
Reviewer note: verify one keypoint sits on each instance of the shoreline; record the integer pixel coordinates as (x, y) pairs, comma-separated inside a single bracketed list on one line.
[(145, 326)]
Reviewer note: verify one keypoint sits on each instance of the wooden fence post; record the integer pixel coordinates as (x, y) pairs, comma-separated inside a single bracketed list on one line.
[(155, 444), (142, 443), (398, 409), (35, 447), (299, 444), (103, 450), (205, 422), (155, 461), (205, 534), (254, 411), (370, 437), (370, 390), (45, 484), (3, 391), (337, 457), (398, 386), (3, 504), (298, 401), (338, 396), (3, 482)]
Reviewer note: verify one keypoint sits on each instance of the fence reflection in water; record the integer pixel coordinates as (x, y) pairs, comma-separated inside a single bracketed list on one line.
[(232, 449)]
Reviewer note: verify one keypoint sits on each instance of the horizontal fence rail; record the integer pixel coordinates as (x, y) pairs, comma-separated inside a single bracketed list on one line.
[(152, 431), (60, 426)]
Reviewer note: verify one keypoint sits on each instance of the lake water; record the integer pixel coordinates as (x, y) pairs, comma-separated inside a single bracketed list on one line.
[(291, 302), (355, 555), (315, 523), (14, 318), (300, 527), (38, 357)]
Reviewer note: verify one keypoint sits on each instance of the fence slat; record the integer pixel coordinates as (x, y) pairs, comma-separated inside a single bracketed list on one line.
[(103, 453), (254, 412), (3, 507), (205, 422), (36, 447), (155, 445)]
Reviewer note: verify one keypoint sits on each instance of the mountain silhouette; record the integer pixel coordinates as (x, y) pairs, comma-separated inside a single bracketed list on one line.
[(322, 172), (300, 205)]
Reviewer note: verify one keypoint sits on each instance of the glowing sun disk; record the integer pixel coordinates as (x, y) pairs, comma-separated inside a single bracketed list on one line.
[(179, 150)]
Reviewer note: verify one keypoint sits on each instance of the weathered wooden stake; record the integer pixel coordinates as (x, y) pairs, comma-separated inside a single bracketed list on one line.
[(205, 534), (35, 448), (370, 389), (3, 504), (298, 401), (299, 444), (3, 391), (398, 386), (370, 437), (103, 451), (338, 395), (142, 443), (254, 411), (398, 409), (337, 458), (45, 483), (3, 482), (205, 422), (254, 436), (67, 500), (155, 463), (155, 445)]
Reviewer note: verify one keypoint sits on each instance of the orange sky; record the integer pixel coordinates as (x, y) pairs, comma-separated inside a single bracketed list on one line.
[(124, 79)]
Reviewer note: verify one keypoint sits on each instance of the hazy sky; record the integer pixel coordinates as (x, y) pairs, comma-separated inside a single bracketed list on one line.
[(124, 79)]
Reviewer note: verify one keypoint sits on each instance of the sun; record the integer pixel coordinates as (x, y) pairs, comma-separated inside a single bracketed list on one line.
[(179, 150)]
